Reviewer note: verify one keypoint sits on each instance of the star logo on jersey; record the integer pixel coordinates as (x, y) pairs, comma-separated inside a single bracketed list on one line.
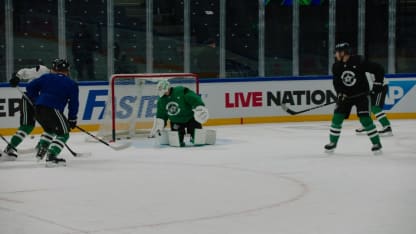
[(348, 78), (173, 108)]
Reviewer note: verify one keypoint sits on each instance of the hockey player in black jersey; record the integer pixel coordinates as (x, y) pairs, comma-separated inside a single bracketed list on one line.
[(353, 89)]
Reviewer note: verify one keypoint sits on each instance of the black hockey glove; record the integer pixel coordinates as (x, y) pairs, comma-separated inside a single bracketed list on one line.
[(14, 81), (341, 98), (377, 88), (72, 123)]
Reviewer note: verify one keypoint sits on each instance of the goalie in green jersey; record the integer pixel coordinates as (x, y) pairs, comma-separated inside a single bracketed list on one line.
[(186, 112)]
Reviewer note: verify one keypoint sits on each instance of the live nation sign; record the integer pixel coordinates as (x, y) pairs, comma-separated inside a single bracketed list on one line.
[(270, 98)]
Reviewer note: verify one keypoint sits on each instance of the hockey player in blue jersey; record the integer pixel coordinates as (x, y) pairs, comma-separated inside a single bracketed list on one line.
[(51, 93)]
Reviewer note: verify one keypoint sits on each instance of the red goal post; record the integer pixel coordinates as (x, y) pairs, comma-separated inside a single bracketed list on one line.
[(139, 85)]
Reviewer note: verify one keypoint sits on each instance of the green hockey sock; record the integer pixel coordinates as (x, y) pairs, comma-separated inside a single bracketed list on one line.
[(45, 140), (336, 125), (371, 129), (58, 144), (380, 116), (20, 135)]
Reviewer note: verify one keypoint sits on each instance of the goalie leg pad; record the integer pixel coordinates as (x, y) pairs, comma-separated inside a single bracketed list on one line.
[(163, 138), (205, 137), (173, 137), (211, 137)]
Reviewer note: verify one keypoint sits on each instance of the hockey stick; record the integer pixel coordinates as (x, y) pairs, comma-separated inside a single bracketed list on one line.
[(119, 147), (75, 154), (19, 151), (8, 143), (292, 112)]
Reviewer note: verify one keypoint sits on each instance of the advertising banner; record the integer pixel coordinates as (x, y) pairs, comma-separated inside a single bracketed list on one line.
[(228, 99)]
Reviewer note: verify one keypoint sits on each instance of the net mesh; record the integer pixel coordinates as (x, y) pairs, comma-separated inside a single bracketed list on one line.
[(135, 99)]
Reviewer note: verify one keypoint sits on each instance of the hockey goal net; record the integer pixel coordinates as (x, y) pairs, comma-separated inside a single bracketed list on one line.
[(131, 104)]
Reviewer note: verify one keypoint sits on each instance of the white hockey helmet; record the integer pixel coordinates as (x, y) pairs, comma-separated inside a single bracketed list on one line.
[(162, 87)]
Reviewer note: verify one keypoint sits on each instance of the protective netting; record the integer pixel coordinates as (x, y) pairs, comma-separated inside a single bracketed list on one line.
[(135, 98)]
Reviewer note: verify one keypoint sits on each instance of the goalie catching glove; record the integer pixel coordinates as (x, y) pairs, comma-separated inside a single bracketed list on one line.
[(158, 126), (201, 114)]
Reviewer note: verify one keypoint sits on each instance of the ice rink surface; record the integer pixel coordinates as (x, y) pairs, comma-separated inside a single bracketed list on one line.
[(257, 179)]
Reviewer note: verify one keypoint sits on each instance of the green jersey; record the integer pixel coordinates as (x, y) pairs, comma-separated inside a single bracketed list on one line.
[(178, 106)]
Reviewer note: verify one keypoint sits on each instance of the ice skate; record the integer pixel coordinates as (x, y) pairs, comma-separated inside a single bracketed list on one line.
[(329, 148), (9, 154), (41, 153), (53, 161), (386, 131), (376, 149)]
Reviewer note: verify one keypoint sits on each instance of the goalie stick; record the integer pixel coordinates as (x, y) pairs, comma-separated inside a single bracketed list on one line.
[(292, 112), (114, 147)]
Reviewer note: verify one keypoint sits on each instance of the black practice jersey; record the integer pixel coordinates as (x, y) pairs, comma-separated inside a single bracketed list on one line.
[(349, 78)]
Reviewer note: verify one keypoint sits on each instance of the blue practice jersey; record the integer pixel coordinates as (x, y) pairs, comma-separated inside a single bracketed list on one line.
[(55, 90)]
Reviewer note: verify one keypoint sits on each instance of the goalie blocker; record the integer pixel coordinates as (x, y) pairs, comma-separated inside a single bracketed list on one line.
[(201, 137)]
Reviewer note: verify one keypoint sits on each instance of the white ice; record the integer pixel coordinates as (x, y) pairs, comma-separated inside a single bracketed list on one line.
[(257, 179)]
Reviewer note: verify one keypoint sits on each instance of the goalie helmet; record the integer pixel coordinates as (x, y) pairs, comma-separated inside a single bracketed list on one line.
[(162, 87), (60, 65), (343, 46)]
